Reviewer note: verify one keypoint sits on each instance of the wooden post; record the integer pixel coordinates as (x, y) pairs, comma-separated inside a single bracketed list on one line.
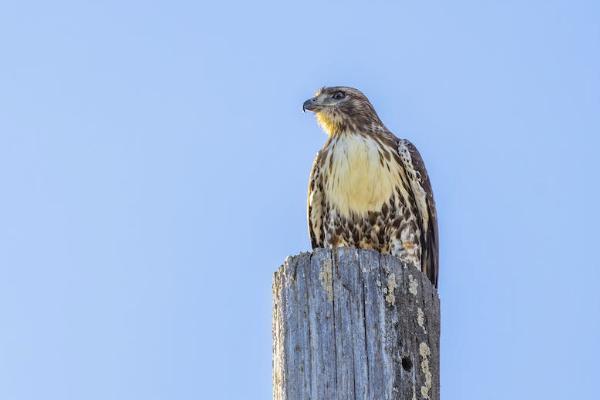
[(353, 324)]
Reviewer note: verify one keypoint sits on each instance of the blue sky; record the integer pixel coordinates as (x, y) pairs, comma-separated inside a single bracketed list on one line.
[(154, 161)]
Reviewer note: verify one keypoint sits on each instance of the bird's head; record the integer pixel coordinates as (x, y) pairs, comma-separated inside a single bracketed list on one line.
[(341, 108)]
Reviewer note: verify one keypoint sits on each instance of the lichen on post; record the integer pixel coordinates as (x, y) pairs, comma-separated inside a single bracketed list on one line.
[(353, 324)]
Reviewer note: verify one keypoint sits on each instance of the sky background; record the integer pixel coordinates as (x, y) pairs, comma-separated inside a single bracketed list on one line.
[(153, 169)]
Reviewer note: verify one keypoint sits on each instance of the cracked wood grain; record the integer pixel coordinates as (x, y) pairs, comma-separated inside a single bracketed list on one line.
[(353, 324)]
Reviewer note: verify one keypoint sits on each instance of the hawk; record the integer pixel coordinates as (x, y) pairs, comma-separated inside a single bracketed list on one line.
[(368, 188)]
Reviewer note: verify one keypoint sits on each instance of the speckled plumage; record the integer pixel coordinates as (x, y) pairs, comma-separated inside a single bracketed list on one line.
[(368, 188)]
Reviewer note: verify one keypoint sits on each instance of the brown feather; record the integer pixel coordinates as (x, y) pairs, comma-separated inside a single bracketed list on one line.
[(369, 189)]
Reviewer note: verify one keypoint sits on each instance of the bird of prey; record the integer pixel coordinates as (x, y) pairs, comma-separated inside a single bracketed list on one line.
[(369, 189)]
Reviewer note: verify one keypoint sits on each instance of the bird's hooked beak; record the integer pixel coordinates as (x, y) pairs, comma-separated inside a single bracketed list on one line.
[(312, 105)]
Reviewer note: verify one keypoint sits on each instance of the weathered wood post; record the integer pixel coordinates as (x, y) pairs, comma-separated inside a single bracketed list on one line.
[(353, 324)]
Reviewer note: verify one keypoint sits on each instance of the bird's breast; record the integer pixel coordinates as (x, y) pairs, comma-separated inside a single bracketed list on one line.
[(360, 174)]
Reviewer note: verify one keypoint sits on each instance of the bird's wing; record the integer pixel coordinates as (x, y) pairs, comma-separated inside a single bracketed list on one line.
[(315, 204), (421, 187)]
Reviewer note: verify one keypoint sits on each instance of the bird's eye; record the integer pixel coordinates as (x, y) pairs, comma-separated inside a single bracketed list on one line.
[(339, 95)]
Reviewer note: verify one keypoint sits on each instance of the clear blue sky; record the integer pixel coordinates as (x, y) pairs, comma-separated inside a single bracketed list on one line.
[(153, 169)]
